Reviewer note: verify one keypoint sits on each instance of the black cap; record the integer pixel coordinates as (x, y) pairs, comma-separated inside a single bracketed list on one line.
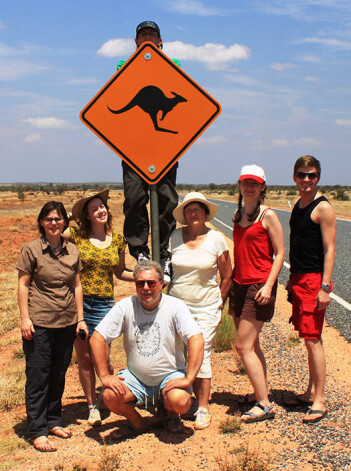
[(148, 24)]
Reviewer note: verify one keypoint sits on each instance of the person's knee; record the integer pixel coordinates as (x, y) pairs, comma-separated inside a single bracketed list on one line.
[(178, 401), (111, 399)]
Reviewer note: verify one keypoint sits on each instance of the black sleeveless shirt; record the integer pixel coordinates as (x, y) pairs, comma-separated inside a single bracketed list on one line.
[(306, 244)]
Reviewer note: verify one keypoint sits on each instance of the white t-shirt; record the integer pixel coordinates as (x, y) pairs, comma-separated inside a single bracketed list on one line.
[(153, 340), (194, 277)]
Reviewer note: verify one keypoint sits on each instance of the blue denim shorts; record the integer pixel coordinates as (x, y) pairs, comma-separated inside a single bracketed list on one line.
[(95, 309), (143, 392)]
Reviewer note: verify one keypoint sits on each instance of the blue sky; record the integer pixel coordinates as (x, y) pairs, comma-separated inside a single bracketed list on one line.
[(279, 68)]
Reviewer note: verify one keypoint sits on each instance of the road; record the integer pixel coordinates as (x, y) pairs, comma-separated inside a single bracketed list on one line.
[(339, 311)]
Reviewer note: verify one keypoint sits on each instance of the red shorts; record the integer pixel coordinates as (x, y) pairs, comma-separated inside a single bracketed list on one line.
[(307, 320)]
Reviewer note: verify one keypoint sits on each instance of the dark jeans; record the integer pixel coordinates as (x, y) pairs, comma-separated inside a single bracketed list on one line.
[(48, 356), (136, 222)]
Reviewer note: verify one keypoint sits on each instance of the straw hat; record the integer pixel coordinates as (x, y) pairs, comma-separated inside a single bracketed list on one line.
[(194, 197), (79, 205)]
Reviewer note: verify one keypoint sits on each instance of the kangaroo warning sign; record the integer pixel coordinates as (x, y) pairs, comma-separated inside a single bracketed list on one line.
[(150, 112)]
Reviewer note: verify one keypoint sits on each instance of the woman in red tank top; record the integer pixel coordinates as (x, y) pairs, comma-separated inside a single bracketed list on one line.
[(258, 236)]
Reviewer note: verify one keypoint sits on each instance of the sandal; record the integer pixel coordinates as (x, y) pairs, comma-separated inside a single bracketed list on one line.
[(127, 431), (320, 413), (43, 444), (60, 432), (253, 417)]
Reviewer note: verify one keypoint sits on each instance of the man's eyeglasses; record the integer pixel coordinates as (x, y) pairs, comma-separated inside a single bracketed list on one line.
[(50, 220), (150, 283), (309, 175)]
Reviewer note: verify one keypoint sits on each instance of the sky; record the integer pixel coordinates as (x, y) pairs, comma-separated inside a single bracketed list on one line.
[(279, 68)]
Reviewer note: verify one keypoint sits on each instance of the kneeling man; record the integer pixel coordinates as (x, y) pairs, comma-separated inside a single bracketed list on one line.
[(155, 328)]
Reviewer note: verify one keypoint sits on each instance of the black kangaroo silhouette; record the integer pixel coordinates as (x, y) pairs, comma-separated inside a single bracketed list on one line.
[(151, 99)]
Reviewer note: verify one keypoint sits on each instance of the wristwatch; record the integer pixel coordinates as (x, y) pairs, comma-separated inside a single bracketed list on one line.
[(325, 287)]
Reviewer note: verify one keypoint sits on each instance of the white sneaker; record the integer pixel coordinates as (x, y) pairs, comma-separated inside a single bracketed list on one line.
[(203, 419), (94, 417), (167, 270), (142, 256)]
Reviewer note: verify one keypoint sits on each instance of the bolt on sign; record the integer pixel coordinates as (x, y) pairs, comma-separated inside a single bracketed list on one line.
[(150, 112)]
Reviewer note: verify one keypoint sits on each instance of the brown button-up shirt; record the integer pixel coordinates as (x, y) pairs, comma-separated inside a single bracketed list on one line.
[(51, 300)]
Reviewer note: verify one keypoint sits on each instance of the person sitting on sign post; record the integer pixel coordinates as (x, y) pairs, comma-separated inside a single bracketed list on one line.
[(136, 190), (198, 254), (102, 253)]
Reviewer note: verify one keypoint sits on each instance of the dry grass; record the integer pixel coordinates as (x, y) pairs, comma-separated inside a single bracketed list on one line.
[(226, 333), (12, 386), (245, 459), (231, 425), (9, 317)]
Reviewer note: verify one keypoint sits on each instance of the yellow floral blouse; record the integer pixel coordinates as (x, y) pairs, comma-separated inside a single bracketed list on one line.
[(98, 264)]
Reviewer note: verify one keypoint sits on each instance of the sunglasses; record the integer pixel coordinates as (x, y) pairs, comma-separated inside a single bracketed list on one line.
[(50, 220), (303, 175), (150, 283)]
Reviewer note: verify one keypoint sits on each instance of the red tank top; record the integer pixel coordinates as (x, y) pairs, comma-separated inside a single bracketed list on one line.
[(253, 253)]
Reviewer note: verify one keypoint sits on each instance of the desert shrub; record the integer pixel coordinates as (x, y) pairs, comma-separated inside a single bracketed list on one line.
[(231, 425), (293, 340), (245, 460), (291, 192), (225, 336), (341, 195)]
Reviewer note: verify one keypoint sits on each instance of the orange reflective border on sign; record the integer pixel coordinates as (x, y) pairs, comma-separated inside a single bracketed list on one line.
[(150, 112)]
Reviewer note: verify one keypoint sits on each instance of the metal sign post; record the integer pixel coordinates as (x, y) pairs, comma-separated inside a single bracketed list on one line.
[(155, 225)]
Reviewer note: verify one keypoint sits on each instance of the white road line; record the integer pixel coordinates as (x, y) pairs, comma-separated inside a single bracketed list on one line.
[(334, 296), (226, 225)]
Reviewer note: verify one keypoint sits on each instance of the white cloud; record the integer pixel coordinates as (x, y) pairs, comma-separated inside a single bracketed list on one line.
[(31, 138), (216, 139), (280, 66), (2, 25), (280, 143), (307, 141), (214, 56), (16, 69), (47, 123), (329, 42), (193, 7), (343, 122), (312, 79), (311, 59), (117, 47)]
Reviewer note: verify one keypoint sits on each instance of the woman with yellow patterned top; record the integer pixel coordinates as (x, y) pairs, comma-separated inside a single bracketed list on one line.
[(102, 253)]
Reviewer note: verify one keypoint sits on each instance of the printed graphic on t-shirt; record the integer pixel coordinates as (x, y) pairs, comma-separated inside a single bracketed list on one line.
[(148, 338)]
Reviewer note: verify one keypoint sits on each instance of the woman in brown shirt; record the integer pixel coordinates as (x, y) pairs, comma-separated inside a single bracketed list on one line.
[(51, 306)]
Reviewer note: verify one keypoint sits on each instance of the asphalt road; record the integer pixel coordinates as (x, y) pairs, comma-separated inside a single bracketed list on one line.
[(339, 311)]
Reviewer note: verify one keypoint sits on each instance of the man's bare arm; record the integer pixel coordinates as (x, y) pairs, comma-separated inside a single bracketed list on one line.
[(195, 356), (98, 349)]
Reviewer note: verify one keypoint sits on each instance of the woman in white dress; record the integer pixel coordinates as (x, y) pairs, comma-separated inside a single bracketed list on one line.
[(198, 253)]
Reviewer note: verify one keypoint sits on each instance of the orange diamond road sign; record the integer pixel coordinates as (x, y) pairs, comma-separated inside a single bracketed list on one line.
[(150, 112)]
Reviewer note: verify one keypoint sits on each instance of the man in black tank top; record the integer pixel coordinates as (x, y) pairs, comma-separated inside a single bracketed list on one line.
[(312, 254)]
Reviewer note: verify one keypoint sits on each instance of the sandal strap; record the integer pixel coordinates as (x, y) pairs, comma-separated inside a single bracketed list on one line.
[(266, 410)]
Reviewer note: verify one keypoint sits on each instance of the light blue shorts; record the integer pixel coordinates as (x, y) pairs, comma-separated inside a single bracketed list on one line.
[(95, 309), (142, 392)]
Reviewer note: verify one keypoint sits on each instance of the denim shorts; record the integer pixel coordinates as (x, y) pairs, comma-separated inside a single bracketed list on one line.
[(95, 309), (142, 392)]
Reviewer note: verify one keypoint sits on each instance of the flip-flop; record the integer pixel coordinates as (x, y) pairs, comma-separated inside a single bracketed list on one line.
[(44, 445), (127, 431), (267, 414), (296, 401), (60, 432), (321, 413)]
